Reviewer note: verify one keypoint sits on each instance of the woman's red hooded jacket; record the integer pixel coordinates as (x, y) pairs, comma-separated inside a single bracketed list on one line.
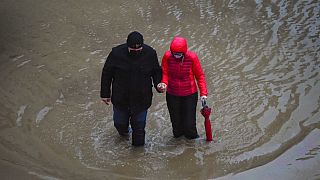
[(180, 74)]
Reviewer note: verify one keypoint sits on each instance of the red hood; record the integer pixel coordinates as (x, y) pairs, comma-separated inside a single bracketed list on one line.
[(179, 44)]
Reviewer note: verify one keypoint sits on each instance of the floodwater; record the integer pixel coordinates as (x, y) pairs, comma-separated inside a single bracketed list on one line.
[(260, 57)]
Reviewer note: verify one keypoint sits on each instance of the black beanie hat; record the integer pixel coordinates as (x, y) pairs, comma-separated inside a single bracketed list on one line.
[(134, 38)]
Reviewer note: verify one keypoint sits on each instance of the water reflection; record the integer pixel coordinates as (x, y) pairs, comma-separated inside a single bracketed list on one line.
[(260, 59)]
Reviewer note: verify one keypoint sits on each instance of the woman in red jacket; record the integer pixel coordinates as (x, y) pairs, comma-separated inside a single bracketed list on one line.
[(182, 75)]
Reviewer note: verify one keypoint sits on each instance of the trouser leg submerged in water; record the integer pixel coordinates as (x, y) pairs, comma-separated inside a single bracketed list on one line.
[(121, 121), (137, 122), (174, 107), (182, 110)]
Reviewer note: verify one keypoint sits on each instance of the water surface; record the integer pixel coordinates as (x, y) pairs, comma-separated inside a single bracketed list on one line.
[(261, 60)]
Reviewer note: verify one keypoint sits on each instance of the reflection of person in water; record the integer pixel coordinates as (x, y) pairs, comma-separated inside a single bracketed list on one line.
[(180, 69), (130, 70)]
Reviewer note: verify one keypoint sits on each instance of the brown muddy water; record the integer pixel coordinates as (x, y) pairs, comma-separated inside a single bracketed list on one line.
[(260, 57)]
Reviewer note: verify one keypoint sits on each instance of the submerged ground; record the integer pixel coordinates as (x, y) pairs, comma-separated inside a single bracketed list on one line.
[(261, 60)]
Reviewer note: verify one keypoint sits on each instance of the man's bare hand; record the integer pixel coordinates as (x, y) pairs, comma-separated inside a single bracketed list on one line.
[(106, 100)]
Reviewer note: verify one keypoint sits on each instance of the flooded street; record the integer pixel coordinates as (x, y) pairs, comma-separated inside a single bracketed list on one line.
[(260, 58)]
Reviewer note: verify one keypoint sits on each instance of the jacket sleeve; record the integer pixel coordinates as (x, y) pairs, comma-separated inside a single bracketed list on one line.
[(200, 77), (164, 66), (107, 77), (156, 73)]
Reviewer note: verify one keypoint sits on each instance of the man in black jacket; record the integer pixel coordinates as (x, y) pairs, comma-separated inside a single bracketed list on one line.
[(128, 75)]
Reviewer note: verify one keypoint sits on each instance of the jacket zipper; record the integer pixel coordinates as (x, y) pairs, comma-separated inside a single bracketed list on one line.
[(180, 65)]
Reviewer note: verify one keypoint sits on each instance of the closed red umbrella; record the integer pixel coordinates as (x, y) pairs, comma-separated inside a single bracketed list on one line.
[(206, 111)]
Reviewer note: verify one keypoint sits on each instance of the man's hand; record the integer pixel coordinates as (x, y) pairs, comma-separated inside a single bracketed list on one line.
[(106, 100), (162, 87)]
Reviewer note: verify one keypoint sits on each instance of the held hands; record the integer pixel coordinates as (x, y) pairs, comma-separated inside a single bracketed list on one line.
[(162, 87), (106, 100)]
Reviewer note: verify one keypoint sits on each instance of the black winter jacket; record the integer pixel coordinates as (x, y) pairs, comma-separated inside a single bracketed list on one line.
[(131, 78)]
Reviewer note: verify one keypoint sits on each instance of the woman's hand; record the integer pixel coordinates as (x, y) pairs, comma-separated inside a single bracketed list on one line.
[(203, 100)]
